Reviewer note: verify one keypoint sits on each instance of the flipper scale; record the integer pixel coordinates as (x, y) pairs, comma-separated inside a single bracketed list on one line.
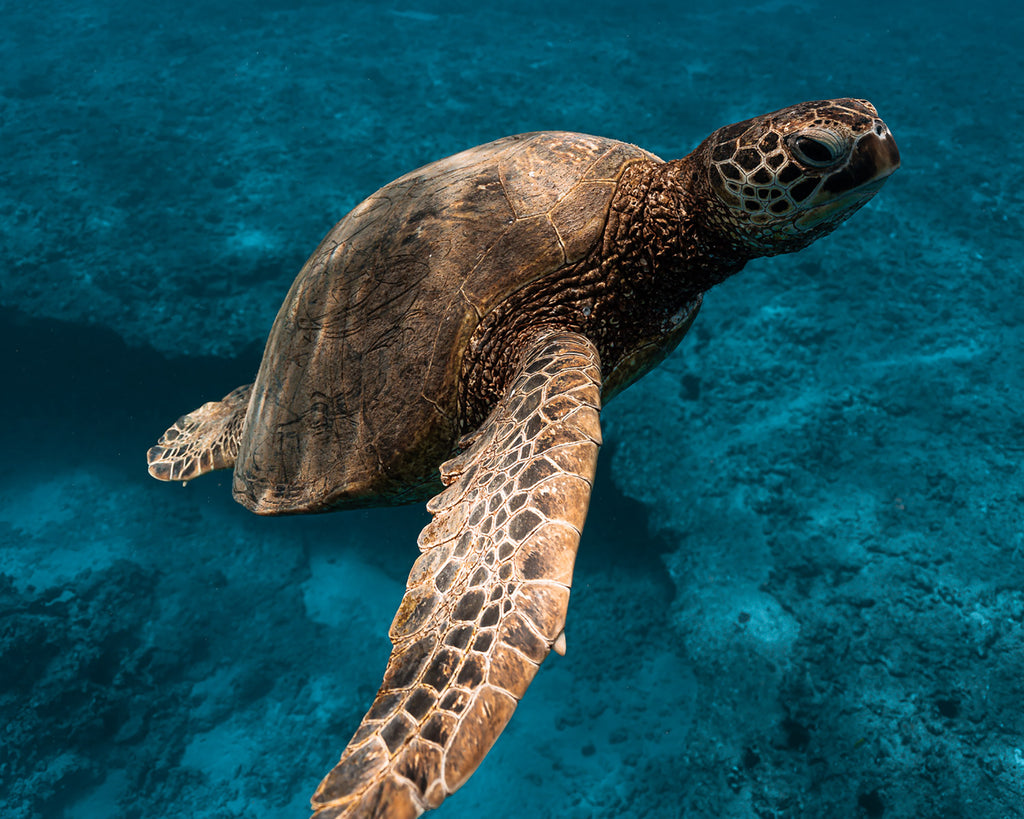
[(201, 441), (487, 598)]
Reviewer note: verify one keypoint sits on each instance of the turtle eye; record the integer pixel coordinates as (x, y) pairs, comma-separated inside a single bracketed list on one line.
[(818, 148)]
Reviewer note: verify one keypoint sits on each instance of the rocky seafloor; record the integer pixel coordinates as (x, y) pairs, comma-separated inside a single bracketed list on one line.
[(801, 588)]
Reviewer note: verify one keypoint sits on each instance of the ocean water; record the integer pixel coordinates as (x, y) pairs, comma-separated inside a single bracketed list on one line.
[(800, 592)]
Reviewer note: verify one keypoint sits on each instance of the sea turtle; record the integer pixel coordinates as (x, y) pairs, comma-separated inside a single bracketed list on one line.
[(463, 326)]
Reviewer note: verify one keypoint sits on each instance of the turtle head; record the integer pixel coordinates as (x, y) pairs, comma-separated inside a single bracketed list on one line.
[(779, 181)]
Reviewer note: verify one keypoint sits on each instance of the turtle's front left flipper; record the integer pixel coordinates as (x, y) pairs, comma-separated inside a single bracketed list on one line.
[(487, 599)]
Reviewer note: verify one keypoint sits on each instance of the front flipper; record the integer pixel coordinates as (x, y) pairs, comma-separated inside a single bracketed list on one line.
[(486, 600)]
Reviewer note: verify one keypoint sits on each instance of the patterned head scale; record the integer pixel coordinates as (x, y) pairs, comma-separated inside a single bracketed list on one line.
[(786, 178)]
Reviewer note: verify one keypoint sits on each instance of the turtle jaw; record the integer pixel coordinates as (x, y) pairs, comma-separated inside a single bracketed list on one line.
[(835, 209), (873, 160)]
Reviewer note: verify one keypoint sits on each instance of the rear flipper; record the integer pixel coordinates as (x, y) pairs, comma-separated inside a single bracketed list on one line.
[(204, 440)]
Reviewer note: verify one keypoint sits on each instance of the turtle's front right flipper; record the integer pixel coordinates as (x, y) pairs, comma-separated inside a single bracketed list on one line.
[(486, 601), (204, 440)]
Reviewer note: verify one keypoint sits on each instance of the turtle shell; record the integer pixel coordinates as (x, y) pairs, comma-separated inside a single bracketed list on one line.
[(355, 402)]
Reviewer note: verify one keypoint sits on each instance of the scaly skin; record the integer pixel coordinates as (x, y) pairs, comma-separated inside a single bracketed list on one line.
[(676, 229), (487, 598), (201, 441)]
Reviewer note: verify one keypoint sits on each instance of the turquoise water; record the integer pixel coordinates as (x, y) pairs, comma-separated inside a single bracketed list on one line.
[(799, 593)]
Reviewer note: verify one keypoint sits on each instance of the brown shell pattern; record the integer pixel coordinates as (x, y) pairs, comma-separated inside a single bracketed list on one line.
[(356, 401)]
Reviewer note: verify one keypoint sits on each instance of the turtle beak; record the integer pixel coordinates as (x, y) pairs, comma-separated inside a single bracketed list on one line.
[(874, 159), (879, 153), (887, 154)]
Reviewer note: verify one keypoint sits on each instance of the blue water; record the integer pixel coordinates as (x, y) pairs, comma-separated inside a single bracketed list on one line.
[(800, 589)]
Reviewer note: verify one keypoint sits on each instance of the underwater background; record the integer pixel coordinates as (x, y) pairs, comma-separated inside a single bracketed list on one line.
[(799, 593)]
